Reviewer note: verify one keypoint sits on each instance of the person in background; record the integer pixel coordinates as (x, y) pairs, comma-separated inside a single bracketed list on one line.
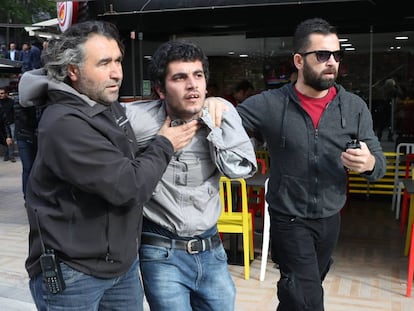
[(43, 55), (25, 57), (307, 126), (5, 132), (26, 120), (293, 76), (13, 53), (183, 262), (213, 90), (35, 55), (31, 56), (89, 181), (392, 92), (7, 111), (3, 51), (241, 91)]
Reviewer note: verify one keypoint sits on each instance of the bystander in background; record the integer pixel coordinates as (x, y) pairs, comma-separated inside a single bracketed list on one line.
[(13, 53), (7, 112), (240, 92)]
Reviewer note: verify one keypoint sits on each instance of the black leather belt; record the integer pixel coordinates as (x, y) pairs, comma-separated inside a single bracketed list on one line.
[(192, 246)]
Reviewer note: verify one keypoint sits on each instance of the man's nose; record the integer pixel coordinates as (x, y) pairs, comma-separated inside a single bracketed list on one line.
[(192, 83), (116, 70)]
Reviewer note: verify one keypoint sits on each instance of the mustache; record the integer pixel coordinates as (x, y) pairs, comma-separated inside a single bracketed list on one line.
[(329, 71)]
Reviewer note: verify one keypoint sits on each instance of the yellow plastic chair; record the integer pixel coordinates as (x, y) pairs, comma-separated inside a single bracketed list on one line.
[(256, 195), (402, 150), (235, 221)]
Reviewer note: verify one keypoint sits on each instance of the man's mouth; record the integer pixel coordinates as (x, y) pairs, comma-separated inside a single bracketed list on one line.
[(193, 95)]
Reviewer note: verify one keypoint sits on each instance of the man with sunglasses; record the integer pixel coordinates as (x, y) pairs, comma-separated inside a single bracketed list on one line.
[(315, 131)]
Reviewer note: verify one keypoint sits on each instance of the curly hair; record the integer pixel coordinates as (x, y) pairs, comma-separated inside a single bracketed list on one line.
[(176, 50)]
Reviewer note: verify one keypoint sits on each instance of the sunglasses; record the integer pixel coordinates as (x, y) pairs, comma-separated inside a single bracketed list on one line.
[(323, 56)]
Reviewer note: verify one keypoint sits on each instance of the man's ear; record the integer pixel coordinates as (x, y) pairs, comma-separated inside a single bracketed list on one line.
[(298, 60), (73, 72), (160, 92)]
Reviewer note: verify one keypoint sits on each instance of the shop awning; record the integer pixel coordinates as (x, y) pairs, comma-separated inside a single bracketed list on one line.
[(253, 17)]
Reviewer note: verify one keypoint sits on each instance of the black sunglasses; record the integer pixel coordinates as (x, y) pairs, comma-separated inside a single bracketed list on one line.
[(323, 56)]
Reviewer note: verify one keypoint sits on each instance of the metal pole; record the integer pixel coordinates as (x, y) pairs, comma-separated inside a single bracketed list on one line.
[(141, 64), (134, 91), (393, 100), (371, 39)]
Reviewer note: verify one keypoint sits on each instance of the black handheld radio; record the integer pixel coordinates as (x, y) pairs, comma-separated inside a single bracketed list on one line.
[(49, 263), (354, 143)]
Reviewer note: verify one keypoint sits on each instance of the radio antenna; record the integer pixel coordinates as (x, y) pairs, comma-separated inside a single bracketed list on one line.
[(359, 121)]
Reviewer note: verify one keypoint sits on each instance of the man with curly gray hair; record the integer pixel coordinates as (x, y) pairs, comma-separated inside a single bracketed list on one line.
[(88, 183)]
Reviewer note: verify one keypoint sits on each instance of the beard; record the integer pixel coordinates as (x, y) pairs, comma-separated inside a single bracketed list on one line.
[(97, 91), (315, 80)]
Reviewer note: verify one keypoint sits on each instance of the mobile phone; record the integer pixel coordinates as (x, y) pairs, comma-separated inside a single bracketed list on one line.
[(52, 273)]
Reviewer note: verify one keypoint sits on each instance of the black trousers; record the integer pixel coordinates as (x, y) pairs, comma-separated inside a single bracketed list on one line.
[(303, 249)]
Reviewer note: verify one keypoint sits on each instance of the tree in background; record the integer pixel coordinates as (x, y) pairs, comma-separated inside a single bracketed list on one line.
[(26, 11), (15, 14)]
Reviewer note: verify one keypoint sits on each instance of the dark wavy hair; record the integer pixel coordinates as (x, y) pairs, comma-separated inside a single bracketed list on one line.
[(306, 28), (176, 50)]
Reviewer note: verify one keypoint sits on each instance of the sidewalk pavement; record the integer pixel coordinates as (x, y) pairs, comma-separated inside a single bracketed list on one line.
[(14, 289)]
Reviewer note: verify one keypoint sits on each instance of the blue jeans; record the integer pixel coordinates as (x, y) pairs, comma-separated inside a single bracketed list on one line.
[(27, 154), (176, 280), (8, 151), (87, 293)]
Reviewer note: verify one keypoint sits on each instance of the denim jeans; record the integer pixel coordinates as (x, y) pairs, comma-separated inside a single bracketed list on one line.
[(27, 154), (176, 280), (303, 250), (87, 293), (8, 151)]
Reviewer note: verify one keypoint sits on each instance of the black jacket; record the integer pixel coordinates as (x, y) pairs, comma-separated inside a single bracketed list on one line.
[(307, 178), (7, 109), (87, 187), (4, 131), (26, 120)]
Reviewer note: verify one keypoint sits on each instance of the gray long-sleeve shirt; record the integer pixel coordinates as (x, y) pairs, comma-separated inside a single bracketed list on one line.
[(186, 201)]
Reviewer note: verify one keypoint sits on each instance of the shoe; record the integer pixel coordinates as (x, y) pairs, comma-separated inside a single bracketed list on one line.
[(6, 159), (13, 159)]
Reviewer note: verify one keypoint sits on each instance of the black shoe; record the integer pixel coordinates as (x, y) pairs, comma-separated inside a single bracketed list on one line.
[(6, 159), (13, 159)]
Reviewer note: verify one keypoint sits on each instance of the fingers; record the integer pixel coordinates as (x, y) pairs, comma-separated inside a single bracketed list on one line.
[(181, 135), (185, 134), (216, 107)]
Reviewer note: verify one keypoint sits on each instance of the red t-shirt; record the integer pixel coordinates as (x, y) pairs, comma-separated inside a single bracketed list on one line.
[(315, 106)]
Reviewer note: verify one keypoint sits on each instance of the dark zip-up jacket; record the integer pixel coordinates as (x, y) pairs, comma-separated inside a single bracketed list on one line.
[(307, 178), (5, 131), (87, 187)]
